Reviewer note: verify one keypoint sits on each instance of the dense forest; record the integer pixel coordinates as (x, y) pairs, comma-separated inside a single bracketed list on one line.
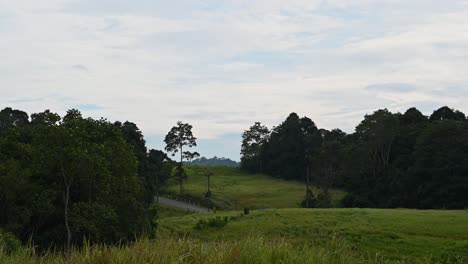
[(391, 160), (66, 179)]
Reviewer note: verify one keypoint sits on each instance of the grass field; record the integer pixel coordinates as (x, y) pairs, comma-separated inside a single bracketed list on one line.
[(282, 234), (234, 189), (397, 234), (165, 211), (250, 250)]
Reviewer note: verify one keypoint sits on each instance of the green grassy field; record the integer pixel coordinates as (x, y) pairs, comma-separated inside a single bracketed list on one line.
[(171, 251), (397, 234), (165, 211), (234, 189)]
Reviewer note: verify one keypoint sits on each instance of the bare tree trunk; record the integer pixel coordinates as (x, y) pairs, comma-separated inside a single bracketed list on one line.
[(180, 172), (67, 183), (67, 199)]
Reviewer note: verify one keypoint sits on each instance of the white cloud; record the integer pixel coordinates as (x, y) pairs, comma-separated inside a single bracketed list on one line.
[(222, 67)]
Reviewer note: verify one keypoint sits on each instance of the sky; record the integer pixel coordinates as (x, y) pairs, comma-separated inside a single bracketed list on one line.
[(222, 65)]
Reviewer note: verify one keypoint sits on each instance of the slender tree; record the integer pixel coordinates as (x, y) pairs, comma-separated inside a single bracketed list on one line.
[(181, 136)]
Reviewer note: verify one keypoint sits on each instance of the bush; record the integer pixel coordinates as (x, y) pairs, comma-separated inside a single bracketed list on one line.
[(356, 201), (246, 211), (216, 222), (324, 199), (8, 242), (309, 201)]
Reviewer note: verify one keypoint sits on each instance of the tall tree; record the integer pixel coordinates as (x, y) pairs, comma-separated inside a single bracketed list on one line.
[(446, 113), (158, 162), (439, 174), (12, 117), (177, 138), (252, 142)]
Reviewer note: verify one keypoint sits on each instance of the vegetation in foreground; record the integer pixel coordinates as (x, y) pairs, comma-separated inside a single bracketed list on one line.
[(397, 234), (250, 250), (232, 188)]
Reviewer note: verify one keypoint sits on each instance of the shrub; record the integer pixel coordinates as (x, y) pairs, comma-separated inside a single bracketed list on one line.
[(309, 201), (356, 201), (217, 222), (324, 199), (246, 211), (8, 242)]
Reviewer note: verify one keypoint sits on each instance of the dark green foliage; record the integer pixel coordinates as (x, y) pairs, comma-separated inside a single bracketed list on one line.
[(392, 160), (65, 180), (246, 210), (8, 242), (177, 138), (10, 118), (324, 199), (289, 148), (309, 200), (441, 166), (446, 113), (253, 141), (217, 222)]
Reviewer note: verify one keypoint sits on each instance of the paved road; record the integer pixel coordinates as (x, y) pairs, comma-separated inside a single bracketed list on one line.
[(182, 205)]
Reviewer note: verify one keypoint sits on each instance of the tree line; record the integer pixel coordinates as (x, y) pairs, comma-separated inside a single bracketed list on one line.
[(391, 160), (214, 161), (66, 179)]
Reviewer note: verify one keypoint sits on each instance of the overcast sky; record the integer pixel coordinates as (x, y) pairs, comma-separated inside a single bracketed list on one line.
[(222, 65)]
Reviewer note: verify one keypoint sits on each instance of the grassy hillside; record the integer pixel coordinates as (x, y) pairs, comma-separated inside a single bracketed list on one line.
[(396, 234), (234, 189)]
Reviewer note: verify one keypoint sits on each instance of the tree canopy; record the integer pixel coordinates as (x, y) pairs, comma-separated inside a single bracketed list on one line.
[(66, 179), (177, 138), (391, 160)]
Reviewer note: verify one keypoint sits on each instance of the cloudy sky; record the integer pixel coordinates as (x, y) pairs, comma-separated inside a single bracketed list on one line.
[(222, 65)]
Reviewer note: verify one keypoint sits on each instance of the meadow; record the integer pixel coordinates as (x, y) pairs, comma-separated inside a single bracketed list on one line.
[(285, 236), (430, 236), (233, 189), (275, 230)]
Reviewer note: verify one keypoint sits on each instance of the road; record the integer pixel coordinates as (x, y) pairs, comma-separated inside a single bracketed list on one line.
[(182, 205)]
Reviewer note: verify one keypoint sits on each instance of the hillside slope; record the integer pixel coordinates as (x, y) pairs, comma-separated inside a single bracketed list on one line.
[(234, 189), (429, 236)]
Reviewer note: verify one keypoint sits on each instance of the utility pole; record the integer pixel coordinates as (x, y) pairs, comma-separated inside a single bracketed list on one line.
[(307, 186)]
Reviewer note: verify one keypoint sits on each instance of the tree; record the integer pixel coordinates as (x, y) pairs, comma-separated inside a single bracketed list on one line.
[(252, 142), (157, 162), (45, 118), (439, 174), (413, 116), (61, 182), (377, 134), (446, 113), (12, 118), (134, 137), (177, 138)]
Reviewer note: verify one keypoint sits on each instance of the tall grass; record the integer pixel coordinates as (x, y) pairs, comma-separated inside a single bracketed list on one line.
[(250, 250)]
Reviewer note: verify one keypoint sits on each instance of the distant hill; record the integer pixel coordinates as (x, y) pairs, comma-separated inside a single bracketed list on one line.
[(215, 161)]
